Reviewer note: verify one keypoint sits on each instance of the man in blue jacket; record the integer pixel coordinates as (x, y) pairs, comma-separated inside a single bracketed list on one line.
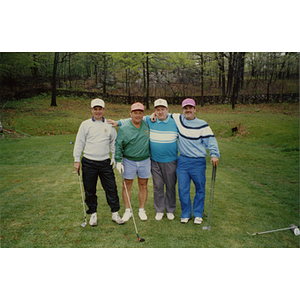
[(195, 136), (164, 153)]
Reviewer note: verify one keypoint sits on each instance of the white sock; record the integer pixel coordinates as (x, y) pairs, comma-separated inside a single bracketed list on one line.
[(141, 209)]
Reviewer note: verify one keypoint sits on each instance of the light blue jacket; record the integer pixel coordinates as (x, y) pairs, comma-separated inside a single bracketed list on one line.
[(194, 137)]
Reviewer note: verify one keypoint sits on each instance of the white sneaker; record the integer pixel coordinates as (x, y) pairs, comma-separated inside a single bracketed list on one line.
[(159, 216), (170, 216), (127, 215), (116, 218), (198, 220), (185, 220), (93, 219), (142, 214)]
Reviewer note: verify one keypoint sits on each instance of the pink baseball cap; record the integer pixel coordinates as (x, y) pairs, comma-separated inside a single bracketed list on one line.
[(137, 106), (188, 101)]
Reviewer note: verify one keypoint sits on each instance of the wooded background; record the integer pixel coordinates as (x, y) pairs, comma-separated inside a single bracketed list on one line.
[(125, 77)]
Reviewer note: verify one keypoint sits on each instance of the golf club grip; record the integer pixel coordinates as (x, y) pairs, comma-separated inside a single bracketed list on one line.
[(214, 173)]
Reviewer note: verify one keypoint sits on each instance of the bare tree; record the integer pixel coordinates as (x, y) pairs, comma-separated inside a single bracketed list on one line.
[(53, 99), (202, 79), (147, 80), (235, 75), (55, 64)]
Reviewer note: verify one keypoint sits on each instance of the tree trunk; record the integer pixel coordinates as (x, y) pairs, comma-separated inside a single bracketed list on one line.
[(128, 85), (268, 87), (35, 71), (222, 71), (147, 76), (70, 76), (202, 80), (144, 78), (96, 73), (104, 75), (230, 75), (235, 79), (53, 100), (242, 69), (237, 65)]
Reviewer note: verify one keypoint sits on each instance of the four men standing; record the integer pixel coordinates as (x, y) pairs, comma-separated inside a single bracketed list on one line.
[(136, 142)]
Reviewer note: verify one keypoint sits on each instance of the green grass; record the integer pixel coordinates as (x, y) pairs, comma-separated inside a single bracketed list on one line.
[(257, 183)]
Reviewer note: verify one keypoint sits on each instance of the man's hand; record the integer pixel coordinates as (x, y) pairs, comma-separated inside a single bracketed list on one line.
[(112, 122), (153, 117), (214, 161), (113, 162), (77, 166), (120, 167)]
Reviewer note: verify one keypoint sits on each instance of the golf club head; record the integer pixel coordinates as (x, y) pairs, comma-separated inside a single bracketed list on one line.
[(83, 224), (255, 233), (206, 227), (141, 240)]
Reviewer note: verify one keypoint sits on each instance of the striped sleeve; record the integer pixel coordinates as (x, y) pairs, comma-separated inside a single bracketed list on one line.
[(192, 133)]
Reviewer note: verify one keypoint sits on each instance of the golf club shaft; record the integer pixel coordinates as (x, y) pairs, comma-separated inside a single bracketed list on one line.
[(80, 182), (273, 230), (212, 187), (131, 209)]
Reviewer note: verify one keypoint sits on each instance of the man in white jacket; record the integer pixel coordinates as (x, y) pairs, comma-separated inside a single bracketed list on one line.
[(95, 138)]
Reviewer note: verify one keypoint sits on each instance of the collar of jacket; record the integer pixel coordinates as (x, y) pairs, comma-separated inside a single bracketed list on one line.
[(103, 119)]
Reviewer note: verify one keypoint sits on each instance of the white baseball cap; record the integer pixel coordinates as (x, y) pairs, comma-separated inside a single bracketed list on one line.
[(161, 102), (97, 102)]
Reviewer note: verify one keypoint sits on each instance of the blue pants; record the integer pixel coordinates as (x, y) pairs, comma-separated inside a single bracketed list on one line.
[(189, 168)]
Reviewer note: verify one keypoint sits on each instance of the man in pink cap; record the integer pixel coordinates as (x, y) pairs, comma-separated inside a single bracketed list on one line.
[(132, 147), (195, 136)]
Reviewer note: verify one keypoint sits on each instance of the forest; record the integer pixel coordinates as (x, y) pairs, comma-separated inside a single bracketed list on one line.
[(229, 77)]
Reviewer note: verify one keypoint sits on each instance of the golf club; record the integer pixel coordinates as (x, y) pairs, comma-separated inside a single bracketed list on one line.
[(211, 198), (139, 239), (293, 228), (85, 222)]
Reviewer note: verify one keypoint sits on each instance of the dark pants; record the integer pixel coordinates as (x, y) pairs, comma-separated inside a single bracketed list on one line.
[(164, 175), (90, 172)]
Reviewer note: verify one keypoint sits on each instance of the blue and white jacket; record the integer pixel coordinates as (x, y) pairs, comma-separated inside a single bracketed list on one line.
[(194, 137)]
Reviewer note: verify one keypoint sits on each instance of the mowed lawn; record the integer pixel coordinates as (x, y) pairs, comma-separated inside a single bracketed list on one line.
[(256, 189)]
